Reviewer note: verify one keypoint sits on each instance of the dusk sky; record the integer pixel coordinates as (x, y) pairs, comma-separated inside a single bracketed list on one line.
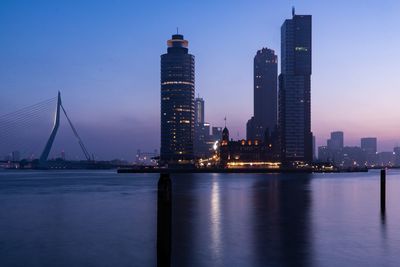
[(104, 57)]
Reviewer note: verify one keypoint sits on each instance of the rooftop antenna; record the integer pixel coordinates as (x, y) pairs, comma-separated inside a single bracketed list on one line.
[(177, 30), (293, 11)]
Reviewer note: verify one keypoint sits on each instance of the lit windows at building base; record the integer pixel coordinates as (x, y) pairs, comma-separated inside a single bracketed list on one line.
[(248, 153)]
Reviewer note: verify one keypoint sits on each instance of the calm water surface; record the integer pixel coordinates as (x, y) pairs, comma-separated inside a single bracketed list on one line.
[(82, 218)]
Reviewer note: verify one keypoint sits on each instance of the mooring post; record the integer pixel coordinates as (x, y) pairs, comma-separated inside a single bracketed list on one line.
[(383, 190), (164, 220)]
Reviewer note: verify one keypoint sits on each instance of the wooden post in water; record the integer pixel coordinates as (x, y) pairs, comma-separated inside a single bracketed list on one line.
[(164, 217), (383, 190)]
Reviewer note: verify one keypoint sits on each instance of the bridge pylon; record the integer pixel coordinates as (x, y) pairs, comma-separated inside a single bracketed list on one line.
[(46, 151)]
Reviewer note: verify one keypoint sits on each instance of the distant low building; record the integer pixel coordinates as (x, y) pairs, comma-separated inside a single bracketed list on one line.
[(146, 158), (396, 155), (353, 156), (386, 159)]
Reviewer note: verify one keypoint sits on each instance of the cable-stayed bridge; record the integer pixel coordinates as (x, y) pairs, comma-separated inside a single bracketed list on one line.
[(20, 131)]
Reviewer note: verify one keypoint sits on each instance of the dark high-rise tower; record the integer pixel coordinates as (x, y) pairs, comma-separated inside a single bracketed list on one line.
[(265, 94), (295, 89), (177, 102)]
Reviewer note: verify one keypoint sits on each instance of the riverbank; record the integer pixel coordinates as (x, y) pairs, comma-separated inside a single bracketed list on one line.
[(247, 170)]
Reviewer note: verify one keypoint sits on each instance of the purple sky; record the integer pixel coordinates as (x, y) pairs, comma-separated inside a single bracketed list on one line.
[(104, 56)]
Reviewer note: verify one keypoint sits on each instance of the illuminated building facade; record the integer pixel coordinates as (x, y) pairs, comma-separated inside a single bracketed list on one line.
[(294, 116), (265, 94), (177, 102), (199, 110), (247, 153)]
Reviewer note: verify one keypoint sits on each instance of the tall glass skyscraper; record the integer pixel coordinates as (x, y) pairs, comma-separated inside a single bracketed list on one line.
[(265, 94), (177, 102), (295, 89)]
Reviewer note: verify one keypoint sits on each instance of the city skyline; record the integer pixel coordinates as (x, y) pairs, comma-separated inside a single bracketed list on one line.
[(122, 89)]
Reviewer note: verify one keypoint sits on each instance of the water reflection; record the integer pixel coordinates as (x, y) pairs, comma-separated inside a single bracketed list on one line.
[(221, 221), (281, 221), (187, 227), (76, 219), (383, 223), (215, 217), (164, 209)]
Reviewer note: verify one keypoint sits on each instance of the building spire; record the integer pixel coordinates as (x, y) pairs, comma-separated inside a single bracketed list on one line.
[(225, 121), (293, 11), (177, 30)]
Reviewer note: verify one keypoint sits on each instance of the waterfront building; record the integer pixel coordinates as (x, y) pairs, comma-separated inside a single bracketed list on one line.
[(177, 102), (265, 71), (248, 153), (294, 114)]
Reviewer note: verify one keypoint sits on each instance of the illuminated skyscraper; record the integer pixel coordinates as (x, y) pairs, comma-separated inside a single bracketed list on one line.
[(295, 89), (177, 102), (265, 95), (199, 111)]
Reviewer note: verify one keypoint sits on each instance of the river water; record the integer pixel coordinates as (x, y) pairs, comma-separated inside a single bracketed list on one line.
[(100, 218)]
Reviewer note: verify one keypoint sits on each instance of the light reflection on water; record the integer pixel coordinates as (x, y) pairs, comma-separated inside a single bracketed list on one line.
[(215, 221), (104, 219)]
